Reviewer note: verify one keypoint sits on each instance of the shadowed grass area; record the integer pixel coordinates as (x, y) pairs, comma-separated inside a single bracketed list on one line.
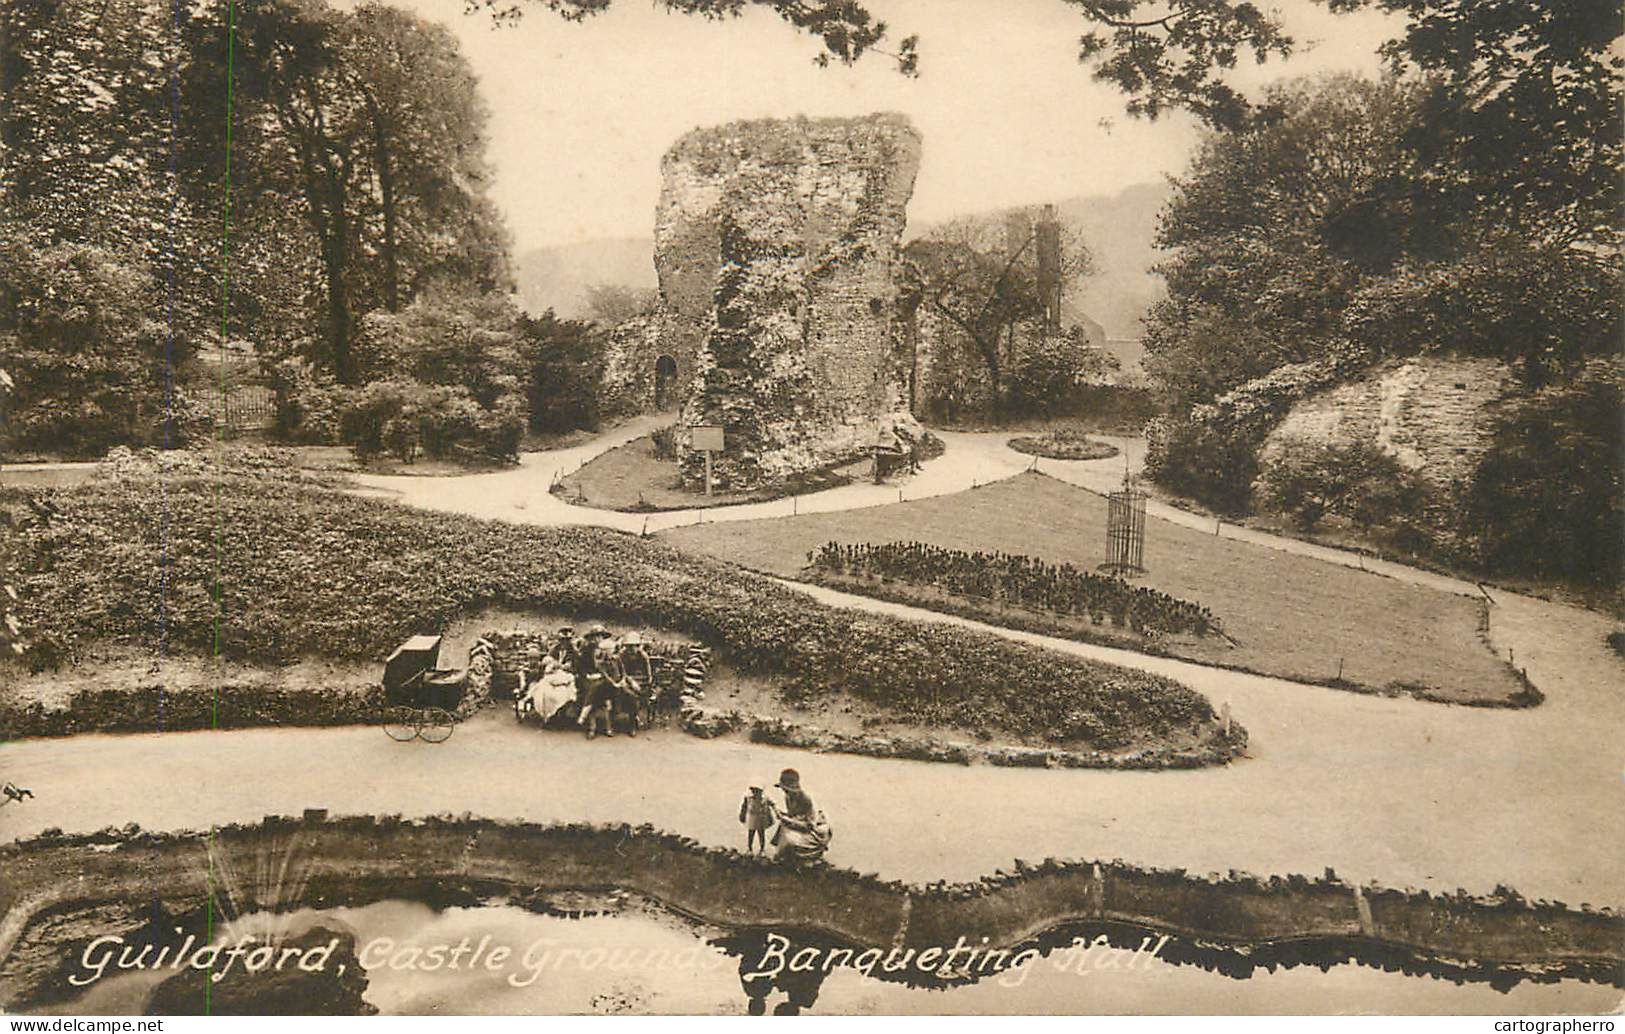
[(1289, 616)]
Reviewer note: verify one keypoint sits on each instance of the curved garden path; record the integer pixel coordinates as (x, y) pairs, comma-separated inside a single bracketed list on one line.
[(1394, 790)]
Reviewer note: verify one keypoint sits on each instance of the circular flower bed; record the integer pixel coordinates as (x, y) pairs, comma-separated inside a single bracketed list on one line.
[(1064, 445)]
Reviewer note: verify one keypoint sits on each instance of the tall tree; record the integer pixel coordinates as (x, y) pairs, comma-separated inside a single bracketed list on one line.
[(425, 126), (382, 136), (977, 278)]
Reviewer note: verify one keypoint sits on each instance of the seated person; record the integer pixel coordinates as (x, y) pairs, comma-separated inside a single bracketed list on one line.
[(639, 668), (553, 691), (597, 700), (564, 648)]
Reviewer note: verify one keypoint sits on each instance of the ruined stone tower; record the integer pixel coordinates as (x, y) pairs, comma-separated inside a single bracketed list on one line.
[(777, 248)]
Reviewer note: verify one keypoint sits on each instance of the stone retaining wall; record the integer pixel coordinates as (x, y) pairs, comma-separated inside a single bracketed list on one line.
[(355, 861)]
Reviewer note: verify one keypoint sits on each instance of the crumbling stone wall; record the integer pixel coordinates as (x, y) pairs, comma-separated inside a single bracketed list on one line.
[(777, 247), (631, 351), (1434, 414)]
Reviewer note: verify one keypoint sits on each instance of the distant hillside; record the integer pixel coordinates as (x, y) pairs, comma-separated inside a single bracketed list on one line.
[(1118, 228), (558, 277)]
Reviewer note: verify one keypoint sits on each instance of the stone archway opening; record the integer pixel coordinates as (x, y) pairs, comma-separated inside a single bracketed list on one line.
[(665, 382)]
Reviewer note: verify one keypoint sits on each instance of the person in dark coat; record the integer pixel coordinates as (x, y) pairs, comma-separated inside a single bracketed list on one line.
[(598, 699)]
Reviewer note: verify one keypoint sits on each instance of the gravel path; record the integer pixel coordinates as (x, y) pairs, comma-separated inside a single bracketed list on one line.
[(1398, 791)]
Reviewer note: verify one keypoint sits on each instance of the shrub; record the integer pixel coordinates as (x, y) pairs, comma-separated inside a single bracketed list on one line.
[(663, 442), (305, 404), (1021, 580), (1196, 460), (1048, 376), (302, 571), (402, 417), (90, 365), (1210, 452), (563, 364), (1547, 496), (1357, 481)]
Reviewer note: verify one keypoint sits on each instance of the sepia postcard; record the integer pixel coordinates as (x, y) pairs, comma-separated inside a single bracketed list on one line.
[(811, 507)]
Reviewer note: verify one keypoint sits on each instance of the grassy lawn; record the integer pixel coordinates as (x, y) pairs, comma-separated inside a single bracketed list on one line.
[(1290, 616), (631, 478)]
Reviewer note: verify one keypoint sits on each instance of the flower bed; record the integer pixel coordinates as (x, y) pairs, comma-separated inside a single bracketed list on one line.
[(1006, 578), (269, 571), (1063, 444)]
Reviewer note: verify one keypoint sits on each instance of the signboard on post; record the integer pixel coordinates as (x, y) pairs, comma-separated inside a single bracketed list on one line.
[(708, 439)]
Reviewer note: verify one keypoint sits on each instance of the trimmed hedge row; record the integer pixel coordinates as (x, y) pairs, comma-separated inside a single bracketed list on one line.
[(155, 707), (295, 570)]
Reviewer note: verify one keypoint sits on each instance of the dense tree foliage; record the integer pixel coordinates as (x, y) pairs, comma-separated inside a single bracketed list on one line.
[(444, 377), (563, 364), (983, 286), (376, 135), (1322, 224), (613, 304), (1548, 498), (92, 360), (845, 27), (272, 172)]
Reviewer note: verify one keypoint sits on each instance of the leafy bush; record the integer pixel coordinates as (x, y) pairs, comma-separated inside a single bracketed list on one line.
[(1547, 497), (305, 404), (402, 417), (1048, 375), (1357, 481), (91, 368), (302, 571), (663, 442), (1210, 453), (563, 366), (1199, 461)]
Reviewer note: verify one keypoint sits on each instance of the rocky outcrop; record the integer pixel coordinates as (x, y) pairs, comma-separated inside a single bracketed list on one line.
[(1434, 414), (777, 247)]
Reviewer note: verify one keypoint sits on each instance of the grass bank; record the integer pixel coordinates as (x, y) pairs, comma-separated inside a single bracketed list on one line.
[(271, 571)]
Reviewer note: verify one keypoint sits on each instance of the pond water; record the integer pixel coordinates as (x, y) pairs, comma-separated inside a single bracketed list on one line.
[(642, 960)]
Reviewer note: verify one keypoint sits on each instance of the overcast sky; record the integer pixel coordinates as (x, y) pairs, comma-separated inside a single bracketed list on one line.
[(581, 113)]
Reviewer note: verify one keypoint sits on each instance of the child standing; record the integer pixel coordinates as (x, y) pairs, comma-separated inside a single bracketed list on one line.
[(758, 813)]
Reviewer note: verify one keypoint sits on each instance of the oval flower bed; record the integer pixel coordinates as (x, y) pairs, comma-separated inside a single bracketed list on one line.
[(1063, 444)]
